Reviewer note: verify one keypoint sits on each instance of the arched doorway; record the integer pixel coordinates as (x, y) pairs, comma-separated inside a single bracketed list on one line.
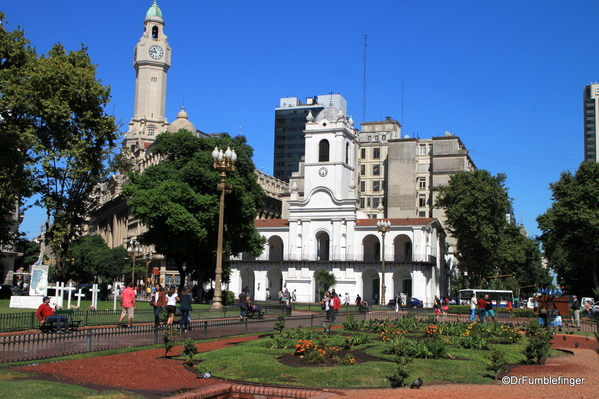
[(403, 248), (275, 245), (371, 248), (248, 279), (322, 246), (402, 282), (372, 286), (274, 282)]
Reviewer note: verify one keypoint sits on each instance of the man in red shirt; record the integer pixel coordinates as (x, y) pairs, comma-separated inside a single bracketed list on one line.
[(127, 305), (46, 313)]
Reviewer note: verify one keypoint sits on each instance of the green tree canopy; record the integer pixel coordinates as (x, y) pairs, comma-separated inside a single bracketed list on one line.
[(476, 204), (570, 229), (91, 261), (16, 55), (178, 202), (57, 134)]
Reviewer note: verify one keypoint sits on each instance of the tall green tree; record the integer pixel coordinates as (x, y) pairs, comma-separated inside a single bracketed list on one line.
[(476, 204), (16, 55), (58, 135), (570, 229), (178, 202), (91, 261)]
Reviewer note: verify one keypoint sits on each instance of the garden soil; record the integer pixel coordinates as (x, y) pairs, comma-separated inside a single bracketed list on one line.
[(149, 374)]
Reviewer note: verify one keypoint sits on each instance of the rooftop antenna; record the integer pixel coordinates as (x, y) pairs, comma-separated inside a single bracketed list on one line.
[(364, 88), (402, 102)]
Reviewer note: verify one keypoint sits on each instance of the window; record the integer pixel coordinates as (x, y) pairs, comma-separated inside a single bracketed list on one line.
[(154, 32), (376, 153), (384, 137), (376, 137), (362, 186), (369, 138), (362, 169), (422, 201), (422, 214), (363, 153), (151, 131), (347, 153), (376, 169), (368, 202), (376, 186), (375, 202), (362, 202), (323, 151), (422, 183), (422, 149)]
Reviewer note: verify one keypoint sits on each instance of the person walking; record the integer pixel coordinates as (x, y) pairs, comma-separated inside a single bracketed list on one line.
[(481, 304), (334, 306), (472, 307), (489, 308), (158, 302), (46, 313), (128, 305), (243, 303), (185, 307), (346, 299), (575, 312), (171, 305)]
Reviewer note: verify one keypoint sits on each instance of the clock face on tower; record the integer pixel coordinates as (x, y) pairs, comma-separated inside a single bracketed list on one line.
[(156, 52), (323, 172)]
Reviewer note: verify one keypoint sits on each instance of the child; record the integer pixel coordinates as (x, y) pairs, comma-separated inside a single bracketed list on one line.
[(437, 313)]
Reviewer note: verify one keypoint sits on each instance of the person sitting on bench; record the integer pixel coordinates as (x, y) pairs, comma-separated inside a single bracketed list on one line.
[(45, 313)]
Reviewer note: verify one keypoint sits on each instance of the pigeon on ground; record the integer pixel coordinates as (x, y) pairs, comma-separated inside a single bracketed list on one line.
[(587, 337), (416, 384), (205, 375), (576, 344), (564, 337)]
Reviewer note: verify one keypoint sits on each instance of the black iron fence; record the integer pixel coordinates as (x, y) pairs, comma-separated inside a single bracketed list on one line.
[(26, 347), (12, 322)]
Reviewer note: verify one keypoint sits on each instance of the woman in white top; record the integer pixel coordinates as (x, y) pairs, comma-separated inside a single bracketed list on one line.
[(472, 307), (171, 304)]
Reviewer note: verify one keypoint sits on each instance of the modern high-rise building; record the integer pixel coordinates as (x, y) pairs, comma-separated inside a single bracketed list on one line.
[(591, 110), (290, 122)]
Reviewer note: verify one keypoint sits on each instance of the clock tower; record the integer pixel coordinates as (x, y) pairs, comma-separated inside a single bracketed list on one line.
[(151, 60)]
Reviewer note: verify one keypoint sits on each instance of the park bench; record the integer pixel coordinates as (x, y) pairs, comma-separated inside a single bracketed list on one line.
[(50, 326), (255, 311)]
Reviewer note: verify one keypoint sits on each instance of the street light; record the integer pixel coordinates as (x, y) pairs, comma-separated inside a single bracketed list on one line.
[(383, 227), (133, 249), (223, 162)]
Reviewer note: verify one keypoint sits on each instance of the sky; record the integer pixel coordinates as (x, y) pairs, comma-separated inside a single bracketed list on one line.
[(507, 77)]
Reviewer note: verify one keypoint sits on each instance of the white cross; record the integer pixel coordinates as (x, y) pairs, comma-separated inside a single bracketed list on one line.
[(58, 290), (94, 290), (79, 295), (70, 290)]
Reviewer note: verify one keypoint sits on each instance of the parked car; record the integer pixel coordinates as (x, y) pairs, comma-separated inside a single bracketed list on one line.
[(414, 303), (6, 291), (595, 308)]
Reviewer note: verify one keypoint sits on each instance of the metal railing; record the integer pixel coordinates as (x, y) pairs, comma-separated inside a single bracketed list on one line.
[(12, 322), (26, 347)]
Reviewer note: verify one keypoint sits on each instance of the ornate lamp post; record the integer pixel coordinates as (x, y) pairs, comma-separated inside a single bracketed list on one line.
[(133, 249), (383, 227), (223, 162)]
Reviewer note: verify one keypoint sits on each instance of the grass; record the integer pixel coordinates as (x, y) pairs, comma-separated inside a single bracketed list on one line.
[(260, 365)]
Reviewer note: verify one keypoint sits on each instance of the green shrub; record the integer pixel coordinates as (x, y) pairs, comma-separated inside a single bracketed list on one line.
[(227, 297), (474, 342), (189, 351), (498, 362), (169, 338), (401, 373), (416, 348), (350, 322), (408, 322), (280, 323), (538, 347)]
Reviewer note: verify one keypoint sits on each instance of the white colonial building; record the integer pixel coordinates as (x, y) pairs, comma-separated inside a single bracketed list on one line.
[(323, 228)]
